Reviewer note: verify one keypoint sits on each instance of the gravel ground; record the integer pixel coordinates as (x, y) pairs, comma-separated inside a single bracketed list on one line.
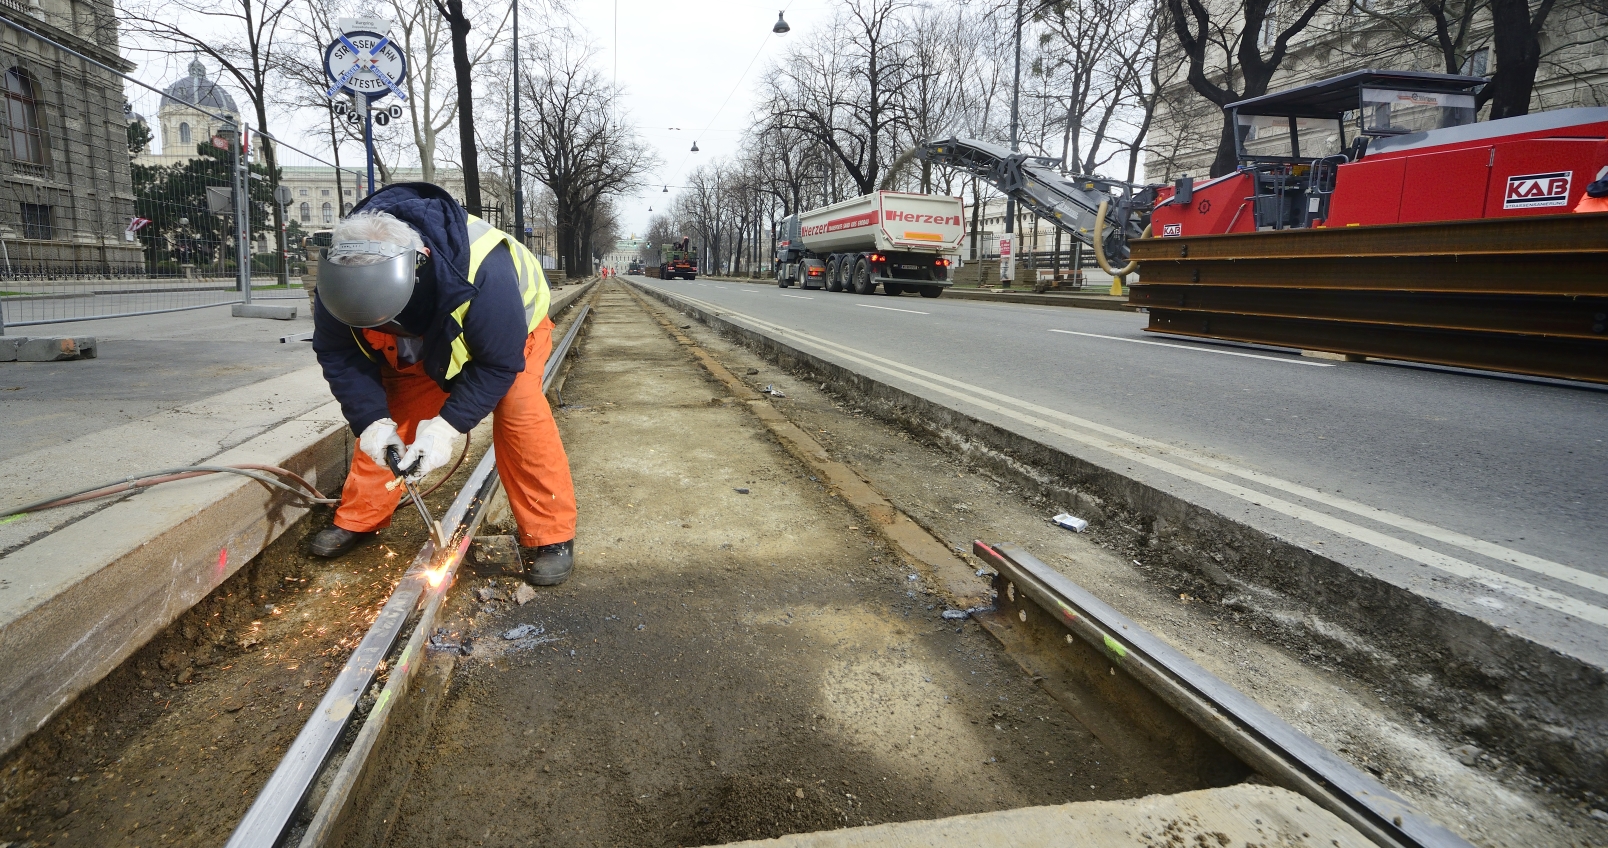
[(736, 657), (1489, 801)]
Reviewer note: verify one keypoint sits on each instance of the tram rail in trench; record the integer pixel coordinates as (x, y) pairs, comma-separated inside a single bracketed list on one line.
[(1085, 653)]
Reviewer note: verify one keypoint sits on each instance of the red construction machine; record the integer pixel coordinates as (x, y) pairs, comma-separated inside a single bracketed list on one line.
[(1369, 216), (1411, 152)]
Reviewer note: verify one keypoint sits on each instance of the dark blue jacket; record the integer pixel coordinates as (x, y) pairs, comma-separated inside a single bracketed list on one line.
[(494, 327)]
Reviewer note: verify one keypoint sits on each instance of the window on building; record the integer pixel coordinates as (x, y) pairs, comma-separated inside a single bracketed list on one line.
[(184, 133), (306, 211), (348, 192), (1270, 25), (346, 209), (329, 214), (22, 110), (36, 221), (1477, 63), (324, 192), (302, 193)]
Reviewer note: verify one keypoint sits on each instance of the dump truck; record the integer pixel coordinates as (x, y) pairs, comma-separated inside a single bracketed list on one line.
[(678, 260), (900, 241)]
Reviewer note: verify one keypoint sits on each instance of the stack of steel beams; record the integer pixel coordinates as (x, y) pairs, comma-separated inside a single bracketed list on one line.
[(1523, 295)]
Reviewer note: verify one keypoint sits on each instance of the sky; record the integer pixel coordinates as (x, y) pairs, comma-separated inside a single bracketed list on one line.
[(678, 61), (691, 65)]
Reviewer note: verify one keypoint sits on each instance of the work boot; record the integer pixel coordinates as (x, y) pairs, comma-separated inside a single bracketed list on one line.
[(548, 565), (333, 541)]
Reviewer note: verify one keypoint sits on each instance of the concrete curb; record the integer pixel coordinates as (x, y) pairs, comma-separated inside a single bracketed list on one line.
[(1080, 301), (140, 563), (1529, 701)]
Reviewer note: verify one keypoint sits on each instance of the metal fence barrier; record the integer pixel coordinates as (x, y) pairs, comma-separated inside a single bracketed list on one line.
[(92, 253)]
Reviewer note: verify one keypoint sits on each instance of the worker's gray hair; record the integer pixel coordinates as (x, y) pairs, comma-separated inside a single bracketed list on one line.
[(375, 227)]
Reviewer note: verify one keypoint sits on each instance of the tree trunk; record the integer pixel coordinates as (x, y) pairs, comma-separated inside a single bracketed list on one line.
[(459, 23), (1518, 55)]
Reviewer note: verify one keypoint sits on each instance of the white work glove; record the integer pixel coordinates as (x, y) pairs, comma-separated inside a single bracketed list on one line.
[(432, 446), (379, 436)]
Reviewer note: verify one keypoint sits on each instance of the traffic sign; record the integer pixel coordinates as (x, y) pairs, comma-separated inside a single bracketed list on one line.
[(366, 64)]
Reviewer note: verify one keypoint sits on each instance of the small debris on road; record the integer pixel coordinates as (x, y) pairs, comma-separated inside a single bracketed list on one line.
[(753, 371), (955, 614), (1071, 522), (524, 594), (519, 632), (1467, 754), (773, 391), (485, 593), (740, 491)]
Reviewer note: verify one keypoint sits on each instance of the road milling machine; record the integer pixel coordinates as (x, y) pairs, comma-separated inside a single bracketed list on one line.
[(1369, 215)]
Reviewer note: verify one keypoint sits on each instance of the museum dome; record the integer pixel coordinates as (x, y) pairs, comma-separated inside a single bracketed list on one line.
[(197, 90)]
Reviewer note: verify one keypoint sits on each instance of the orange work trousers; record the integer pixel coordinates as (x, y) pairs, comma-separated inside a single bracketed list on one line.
[(535, 471)]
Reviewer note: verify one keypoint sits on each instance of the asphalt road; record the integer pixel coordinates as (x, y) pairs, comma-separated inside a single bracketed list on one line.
[(1454, 469)]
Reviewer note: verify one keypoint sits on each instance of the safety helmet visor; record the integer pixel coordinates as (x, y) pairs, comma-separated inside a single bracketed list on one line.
[(371, 292)]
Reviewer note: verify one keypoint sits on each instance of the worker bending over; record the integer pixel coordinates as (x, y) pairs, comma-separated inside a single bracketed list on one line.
[(426, 320)]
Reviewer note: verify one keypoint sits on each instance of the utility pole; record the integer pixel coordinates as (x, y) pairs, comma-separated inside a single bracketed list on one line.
[(1008, 264), (519, 162)]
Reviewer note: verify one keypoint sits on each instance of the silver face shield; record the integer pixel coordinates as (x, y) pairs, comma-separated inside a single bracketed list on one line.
[(367, 295)]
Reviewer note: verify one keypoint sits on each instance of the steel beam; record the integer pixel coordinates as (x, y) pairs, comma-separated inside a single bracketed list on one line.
[(1563, 358), (1547, 315)]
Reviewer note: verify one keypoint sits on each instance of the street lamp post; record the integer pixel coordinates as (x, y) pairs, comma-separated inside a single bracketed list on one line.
[(1008, 263), (519, 163)]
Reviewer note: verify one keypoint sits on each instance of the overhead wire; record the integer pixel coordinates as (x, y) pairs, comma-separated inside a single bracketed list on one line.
[(729, 95)]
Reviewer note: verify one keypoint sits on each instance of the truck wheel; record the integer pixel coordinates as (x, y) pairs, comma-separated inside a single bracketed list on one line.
[(834, 280), (931, 291), (893, 289), (863, 284)]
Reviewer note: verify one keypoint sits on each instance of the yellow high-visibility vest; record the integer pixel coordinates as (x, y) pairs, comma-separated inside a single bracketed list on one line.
[(483, 239)]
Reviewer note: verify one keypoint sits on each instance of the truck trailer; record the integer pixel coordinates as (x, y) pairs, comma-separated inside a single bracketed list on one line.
[(901, 241)]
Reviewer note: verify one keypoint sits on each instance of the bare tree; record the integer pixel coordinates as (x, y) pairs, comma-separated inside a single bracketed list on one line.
[(1224, 50), (459, 24), (580, 144), (242, 36), (432, 103), (841, 87)]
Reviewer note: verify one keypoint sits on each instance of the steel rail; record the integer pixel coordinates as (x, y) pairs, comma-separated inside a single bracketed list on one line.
[(275, 809), (1259, 738)]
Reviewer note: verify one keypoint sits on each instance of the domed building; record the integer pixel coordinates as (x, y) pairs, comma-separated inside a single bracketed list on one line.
[(180, 122)]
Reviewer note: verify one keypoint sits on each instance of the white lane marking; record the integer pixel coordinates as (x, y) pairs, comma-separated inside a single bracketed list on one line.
[(893, 309), (798, 297), (1434, 559), (1285, 360)]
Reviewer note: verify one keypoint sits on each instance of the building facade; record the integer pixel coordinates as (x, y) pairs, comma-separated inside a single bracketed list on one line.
[(626, 251), (66, 194), (318, 196), (1347, 37)]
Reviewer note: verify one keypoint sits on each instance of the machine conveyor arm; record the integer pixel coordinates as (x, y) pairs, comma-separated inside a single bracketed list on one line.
[(1071, 203)]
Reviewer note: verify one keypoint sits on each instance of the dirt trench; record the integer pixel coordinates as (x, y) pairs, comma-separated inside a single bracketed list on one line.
[(172, 747), (735, 657)]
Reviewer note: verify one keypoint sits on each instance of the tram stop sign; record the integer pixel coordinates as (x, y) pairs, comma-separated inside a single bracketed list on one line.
[(365, 64)]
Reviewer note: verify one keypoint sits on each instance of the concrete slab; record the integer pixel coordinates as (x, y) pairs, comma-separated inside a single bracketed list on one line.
[(152, 364), (54, 349), (276, 312), (1234, 815)]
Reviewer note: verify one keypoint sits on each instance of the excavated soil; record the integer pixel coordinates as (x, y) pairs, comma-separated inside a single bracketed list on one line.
[(736, 657)]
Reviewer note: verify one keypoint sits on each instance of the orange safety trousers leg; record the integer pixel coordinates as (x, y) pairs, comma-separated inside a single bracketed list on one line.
[(531, 461)]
